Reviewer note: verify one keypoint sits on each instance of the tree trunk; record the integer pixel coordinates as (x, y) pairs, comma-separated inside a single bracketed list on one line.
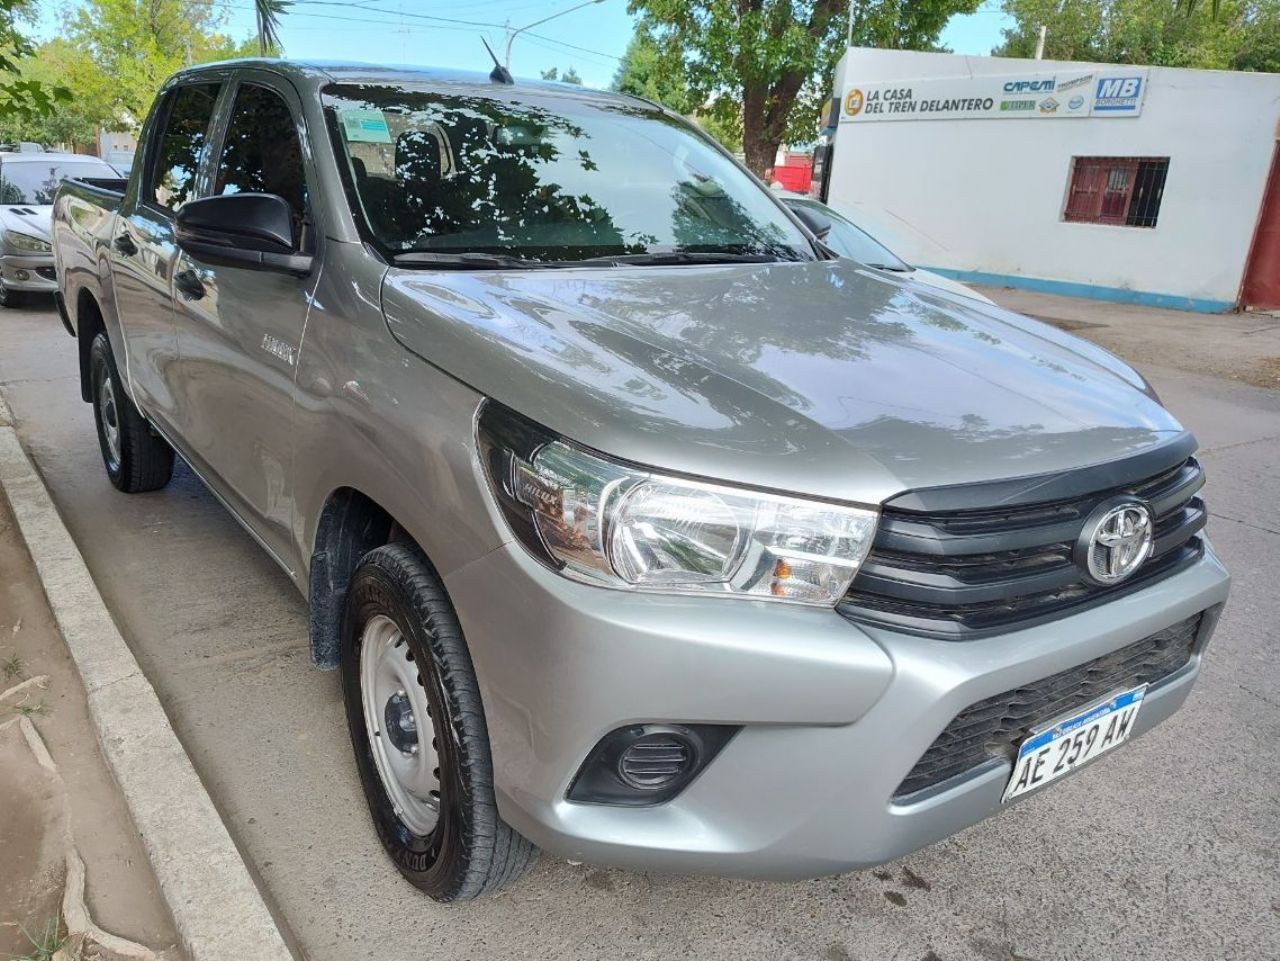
[(760, 148), (761, 154)]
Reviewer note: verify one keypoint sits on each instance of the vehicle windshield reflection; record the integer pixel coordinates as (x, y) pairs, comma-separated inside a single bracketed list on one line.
[(549, 178)]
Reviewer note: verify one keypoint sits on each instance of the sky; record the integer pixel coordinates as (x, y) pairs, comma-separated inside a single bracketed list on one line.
[(447, 34)]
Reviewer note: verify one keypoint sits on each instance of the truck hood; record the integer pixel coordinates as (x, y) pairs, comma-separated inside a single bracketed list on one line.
[(35, 220), (823, 378)]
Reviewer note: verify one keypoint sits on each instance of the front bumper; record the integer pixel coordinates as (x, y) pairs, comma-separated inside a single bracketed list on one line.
[(834, 716), (29, 272)]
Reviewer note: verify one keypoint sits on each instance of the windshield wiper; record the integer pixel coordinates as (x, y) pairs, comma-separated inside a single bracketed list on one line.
[(470, 260), (467, 260), (679, 257)]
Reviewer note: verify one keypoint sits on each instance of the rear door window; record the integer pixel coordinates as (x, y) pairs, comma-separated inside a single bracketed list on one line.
[(181, 145)]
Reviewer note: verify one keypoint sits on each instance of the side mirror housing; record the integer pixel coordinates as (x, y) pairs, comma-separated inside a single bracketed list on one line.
[(817, 224), (249, 230)]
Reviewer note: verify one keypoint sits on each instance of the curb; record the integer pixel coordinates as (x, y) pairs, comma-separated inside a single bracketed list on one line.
[(217, 910)]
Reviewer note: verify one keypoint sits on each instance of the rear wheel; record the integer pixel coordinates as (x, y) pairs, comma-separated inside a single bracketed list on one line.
[(418, 730), (136, 458)]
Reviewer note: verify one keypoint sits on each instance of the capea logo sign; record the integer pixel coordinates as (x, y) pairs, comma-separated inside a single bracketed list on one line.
[(853, 103)]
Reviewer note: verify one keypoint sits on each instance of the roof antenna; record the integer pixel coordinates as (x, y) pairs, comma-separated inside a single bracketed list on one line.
[(499, 73)]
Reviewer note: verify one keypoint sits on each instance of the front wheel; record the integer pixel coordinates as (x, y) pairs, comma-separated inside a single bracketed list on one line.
[(135, 457), (418, 730)]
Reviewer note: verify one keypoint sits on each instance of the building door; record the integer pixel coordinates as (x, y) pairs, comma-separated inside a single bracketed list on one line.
[(1262, 273)]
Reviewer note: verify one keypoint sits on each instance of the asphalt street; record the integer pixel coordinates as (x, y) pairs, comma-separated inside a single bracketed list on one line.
[(1166, 850)]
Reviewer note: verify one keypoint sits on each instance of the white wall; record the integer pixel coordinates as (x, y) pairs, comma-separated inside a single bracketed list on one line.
[(987, 195)]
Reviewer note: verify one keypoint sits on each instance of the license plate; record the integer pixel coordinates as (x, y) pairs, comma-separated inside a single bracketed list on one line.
[(1061, 748)]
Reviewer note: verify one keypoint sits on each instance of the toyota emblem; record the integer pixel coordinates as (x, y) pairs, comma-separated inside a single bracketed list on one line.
[(1116, 540)]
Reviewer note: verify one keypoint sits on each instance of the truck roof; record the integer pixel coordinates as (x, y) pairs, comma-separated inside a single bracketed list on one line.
[(314, 74)]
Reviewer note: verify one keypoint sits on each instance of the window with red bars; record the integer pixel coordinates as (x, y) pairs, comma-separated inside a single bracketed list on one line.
[(1120, 191)]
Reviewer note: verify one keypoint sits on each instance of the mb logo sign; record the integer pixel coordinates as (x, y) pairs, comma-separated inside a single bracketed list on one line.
[(1118, 94)]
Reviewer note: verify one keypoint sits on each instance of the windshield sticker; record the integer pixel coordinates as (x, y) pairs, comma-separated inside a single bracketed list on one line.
[(364, 126)]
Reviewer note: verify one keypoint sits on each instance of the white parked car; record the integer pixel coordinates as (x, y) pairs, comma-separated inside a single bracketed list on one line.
[(27, 184), (850, 240)]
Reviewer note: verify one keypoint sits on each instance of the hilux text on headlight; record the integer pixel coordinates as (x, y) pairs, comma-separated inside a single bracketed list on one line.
[(617, 525)]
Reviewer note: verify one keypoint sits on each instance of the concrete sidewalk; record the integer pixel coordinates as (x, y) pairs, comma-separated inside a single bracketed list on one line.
[(63, 822), (1241, 347), (217, 911)]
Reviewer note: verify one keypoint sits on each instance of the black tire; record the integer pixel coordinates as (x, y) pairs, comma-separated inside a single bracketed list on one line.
[(471, 850), (141, 460), (12, 298)]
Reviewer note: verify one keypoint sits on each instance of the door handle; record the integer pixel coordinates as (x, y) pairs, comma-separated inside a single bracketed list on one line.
[(189, 284), (125, 245)]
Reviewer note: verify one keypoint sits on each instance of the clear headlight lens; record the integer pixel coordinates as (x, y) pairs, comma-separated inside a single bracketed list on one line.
[(625, 527), (26, 243)]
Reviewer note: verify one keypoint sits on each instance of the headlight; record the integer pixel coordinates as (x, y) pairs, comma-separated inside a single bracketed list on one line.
[(26, 243), (608, 523)]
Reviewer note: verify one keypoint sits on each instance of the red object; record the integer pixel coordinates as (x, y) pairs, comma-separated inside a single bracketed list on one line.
[(796, 174), (1120, 191), (1262, 273)]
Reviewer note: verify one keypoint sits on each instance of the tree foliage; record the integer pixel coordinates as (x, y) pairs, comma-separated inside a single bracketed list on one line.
[(22, 97), (1238, 35), (569, 76), (769, 63), (135, 45), (655, 72)]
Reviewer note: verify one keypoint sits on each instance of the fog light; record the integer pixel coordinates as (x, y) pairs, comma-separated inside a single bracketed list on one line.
[(22, 274), (655, 760), (645, 764)]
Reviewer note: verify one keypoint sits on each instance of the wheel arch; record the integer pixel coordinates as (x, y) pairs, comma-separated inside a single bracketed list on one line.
[(89, 322), (350, 525)]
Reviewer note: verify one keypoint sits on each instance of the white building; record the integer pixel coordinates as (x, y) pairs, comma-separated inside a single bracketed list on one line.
[(1134, 184)]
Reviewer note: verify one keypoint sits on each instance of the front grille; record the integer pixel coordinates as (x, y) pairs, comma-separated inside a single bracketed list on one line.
[(963, 573), (994, 728)]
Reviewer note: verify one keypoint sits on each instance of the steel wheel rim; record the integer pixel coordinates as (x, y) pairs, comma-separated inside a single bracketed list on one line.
[(110, 414), (397, 720)]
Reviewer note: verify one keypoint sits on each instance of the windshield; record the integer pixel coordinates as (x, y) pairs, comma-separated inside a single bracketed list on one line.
[(548, 178), (849, 240), (35, 181)]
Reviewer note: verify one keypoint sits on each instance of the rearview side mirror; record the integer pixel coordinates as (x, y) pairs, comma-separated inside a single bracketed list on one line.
[(249, 230), (818, 225)]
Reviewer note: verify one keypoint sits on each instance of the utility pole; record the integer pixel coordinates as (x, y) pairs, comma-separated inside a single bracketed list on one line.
[(1044, 31), (512, 34)]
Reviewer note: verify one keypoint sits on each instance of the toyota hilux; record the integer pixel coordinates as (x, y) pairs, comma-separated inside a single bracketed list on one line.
[(641, 527)]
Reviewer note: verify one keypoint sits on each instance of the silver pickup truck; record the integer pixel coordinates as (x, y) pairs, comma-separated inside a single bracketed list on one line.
[(641, 527)]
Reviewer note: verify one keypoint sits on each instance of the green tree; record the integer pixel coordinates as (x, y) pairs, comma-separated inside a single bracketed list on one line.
[(569, 76), (770, 62), (1239, 35), (74, 120), (267, 14), (131, 47), (22, 97), (655, 72)]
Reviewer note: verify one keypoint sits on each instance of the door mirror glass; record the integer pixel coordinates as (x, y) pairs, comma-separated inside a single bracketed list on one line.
[(250, 230)]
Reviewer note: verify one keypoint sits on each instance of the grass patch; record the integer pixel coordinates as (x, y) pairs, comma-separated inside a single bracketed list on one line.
[(32, 710), (45, 943), (11, 667)]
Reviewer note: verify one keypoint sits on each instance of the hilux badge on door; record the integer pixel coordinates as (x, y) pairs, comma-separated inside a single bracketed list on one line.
[(1115, 541)]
